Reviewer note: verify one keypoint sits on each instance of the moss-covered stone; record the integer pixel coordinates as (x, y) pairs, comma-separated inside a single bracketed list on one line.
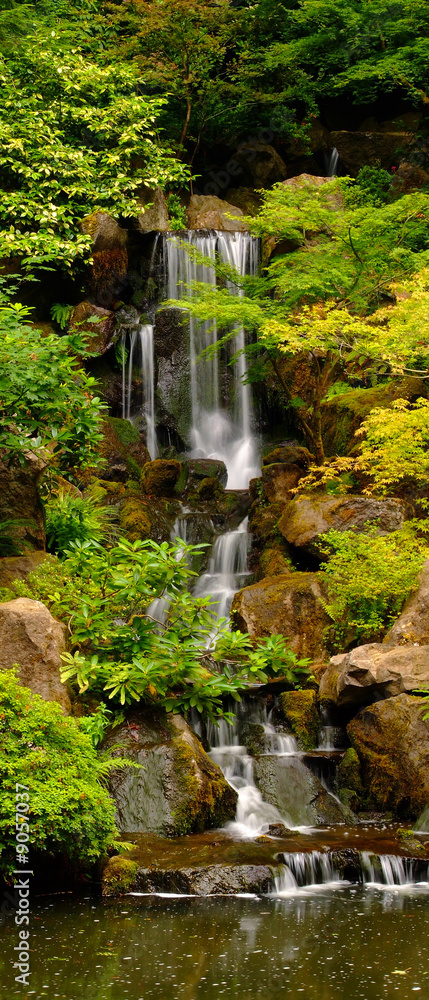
[(134, 519), (408, 841), (209, 488), (273, 561), (123, 450), (159, 477), (348, 773), (119, 876), (344, 413), (299, 711)]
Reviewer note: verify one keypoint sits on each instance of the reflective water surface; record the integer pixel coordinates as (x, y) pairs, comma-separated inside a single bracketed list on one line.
[(340, 943)]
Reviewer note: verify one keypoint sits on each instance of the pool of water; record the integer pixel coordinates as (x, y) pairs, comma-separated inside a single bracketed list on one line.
[(342, 943)]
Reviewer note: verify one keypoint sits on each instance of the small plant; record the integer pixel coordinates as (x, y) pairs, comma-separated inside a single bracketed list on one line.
[(61, 314), (176, 212), (72, 517)]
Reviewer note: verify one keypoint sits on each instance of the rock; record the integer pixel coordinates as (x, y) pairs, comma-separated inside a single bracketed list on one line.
[(410, 843), (178, 789), (119, 876), (159, 477), (408, 178), (30, 637), (343, 415), (392, 742), (21, 511), (290, 786), (412, 626), (261, 166), (200, 469), (101, 329), (288, 605), (334, 198), (19, 567), (307, 517), (246, 198), (278, 480), (210, 212), (105, 232), (122, 448), (224, 880), (349, 780), (171, 346), (289, 454), (357, 149), (373, 672), (155, 214), (299, 711)]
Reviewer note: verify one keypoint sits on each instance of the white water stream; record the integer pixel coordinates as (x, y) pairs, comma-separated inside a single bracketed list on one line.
[(137, 346)]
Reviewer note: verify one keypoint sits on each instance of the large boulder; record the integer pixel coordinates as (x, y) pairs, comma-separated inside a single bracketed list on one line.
[(122, 449), (210, 212), (122, 875), (412, 626), (160, 477), (289, 605), (373, 672), (299, 796), (334, 198), (391, 739), (21, 512), (154, 215), (260, 164), (31, 638), (178, 789), (96, 321), (104, 231), (357, 149), (307, 517)]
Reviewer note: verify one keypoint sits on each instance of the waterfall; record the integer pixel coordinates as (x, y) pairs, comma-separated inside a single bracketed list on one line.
[(306, 870), (140, 347), (216, 432), (227, 569), (332, 160), (301, 870)]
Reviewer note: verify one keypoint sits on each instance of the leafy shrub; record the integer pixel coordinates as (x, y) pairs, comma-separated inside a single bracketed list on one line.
[(71, 517), (69, 810), (176, 212), (368, 578)]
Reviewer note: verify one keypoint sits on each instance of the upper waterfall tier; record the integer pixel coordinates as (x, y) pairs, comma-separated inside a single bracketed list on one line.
[(221, 417)]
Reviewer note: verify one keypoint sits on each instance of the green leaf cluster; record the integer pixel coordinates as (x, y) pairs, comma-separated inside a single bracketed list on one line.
[(70, 812)]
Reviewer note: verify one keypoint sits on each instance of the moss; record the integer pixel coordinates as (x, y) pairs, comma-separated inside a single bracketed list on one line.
[(348, 773), (159, 477), (134, 519), (203, 793), (119, 876), (272, 562), (209, 488), (254, 739), (410, 842), (299, 710), (125, 431), (343, 415)]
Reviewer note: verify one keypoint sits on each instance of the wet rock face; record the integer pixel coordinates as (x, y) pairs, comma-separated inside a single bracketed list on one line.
[(308, 517), (288, 605), (392, 742), (286, 782), (178, 789), (159, 477), (225, 880), (210, 212), (358, 148), (123, 449), (412, 626), (373, 672), (30, 637), (20, 501)]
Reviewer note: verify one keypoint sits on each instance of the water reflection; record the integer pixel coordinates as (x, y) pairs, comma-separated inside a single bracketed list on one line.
[(346, 945)]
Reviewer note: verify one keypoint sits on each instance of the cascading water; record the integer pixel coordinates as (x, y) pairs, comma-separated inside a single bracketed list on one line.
[(227, 569), (332, 162), (137, 347), (216, 432)]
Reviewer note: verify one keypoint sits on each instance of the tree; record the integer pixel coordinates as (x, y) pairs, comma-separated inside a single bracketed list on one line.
[(81, 138)]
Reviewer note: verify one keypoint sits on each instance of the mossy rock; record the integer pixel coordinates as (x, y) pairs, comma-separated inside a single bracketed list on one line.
[(134, 519), (159, 477), (410, 842), (272, 562), (343, 415), (123, 450), (299, 711), (254, 738), (119, 876), (209, 488), (348, 773)]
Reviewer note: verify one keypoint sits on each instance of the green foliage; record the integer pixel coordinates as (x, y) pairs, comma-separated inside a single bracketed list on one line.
[(69, 811), (95, 724), (176, 212), (372, 187), (82, 137), (395, 445), (72, 517), (61, 314), (48, 402), (368, 578)]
